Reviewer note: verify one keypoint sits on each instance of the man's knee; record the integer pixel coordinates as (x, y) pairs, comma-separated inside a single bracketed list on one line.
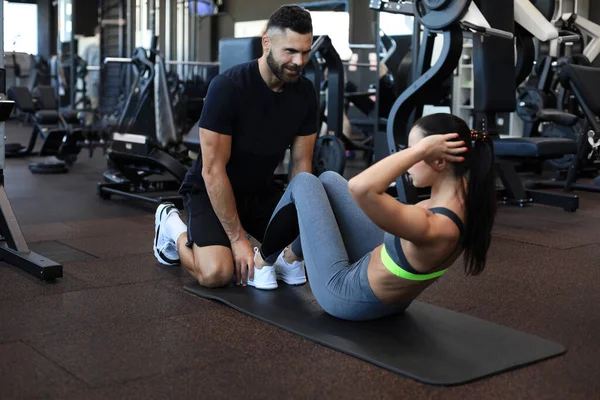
[(215, 275), (213, 266)]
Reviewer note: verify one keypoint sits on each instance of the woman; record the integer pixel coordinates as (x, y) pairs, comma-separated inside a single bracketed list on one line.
[(366, 254)]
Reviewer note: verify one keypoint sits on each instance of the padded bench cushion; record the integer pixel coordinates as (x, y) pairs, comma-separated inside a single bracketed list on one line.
[(560, 117), (71, 116), (534, 147), (46, 117)]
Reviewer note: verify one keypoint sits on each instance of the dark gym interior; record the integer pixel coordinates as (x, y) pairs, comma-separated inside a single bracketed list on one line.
[(94, 142)]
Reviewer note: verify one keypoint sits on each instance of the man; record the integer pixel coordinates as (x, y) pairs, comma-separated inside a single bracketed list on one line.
[(91, 55), (252, 114)]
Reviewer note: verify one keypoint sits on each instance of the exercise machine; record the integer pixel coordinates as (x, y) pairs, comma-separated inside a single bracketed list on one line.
[(491, 97), (60, 132), (584, 83), (13, 246), (496, 88), (144, 133), (330, 149), (589, 31)]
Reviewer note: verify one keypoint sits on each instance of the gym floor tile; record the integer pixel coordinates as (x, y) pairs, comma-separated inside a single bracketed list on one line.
[(247, 335), (84, 228), (116, 245), (318, 373), (25, 373), (546, 233), (67, 208), (537, 212), (86, 309), (18, 285), (118, 353), (60, 252), (128, 269)]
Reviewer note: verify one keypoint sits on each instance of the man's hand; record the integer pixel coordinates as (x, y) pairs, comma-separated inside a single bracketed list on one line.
[(243, 256)]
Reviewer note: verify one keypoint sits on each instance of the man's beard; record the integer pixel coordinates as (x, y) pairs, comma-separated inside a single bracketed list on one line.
[(279, 70)]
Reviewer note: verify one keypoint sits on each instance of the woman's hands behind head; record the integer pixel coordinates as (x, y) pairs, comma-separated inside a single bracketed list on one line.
[(442, 147)]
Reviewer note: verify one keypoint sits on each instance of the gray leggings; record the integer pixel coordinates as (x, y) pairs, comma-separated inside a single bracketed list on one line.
[(337, 239)]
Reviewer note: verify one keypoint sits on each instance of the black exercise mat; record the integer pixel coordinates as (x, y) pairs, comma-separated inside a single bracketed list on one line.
[(427, 343)]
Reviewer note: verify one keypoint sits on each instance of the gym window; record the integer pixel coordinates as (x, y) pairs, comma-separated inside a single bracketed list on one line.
[(20, 27)]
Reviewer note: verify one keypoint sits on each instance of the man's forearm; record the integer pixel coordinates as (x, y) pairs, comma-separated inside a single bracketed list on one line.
[(222, 199), (301, 166)]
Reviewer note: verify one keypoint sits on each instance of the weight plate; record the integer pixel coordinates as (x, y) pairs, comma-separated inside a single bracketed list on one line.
[(436, 4), (525, 54), (329, 155), (48, 167), (529, 101), (436, 19)]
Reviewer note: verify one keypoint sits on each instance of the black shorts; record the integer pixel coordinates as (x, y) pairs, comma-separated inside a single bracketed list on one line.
[(204, 227)]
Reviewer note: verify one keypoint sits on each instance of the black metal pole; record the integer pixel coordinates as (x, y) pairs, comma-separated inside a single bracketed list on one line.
[(152, 21), (72, 55)]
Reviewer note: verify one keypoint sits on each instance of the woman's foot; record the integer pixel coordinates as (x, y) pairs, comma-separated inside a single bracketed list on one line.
[(264, 275), (290, 268)]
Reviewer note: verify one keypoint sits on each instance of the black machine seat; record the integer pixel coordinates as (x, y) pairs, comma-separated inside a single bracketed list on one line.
[(71, 116), (534, 147), (47, 117), (587, 82), (46, 97), (22, 98), (559, 117)]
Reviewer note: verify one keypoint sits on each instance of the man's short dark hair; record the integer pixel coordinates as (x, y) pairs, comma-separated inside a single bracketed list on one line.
[(291, 17)]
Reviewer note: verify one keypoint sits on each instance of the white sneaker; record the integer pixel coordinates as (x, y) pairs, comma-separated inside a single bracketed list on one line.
[(264, 278), (165, 249), (292, 274)]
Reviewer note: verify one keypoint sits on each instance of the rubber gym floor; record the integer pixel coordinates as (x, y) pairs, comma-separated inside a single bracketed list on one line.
[(119, 325)]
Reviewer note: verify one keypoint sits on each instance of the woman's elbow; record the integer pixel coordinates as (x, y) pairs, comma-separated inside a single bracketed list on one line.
[(357, 189)]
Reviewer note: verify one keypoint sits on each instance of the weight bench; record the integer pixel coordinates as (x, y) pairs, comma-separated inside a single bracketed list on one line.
[(584, 83), (138, 157), (48, 127), (531, 149), (46, 100)]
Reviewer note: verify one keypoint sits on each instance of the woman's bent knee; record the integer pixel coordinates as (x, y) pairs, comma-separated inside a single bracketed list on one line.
[(305, 177), (330, 176)]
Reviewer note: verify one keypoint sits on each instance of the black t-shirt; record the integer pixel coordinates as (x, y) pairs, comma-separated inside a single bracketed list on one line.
[(262, 123)]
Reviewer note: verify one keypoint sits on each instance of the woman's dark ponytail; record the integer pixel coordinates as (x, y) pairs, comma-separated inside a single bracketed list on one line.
[(481, 203)]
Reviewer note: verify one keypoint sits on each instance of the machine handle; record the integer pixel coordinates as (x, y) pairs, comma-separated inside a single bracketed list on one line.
[(569, 39), (499, 33), (117, 60), (488, 31)]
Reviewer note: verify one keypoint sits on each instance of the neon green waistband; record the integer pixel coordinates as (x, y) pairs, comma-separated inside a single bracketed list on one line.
[(396, 270)]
